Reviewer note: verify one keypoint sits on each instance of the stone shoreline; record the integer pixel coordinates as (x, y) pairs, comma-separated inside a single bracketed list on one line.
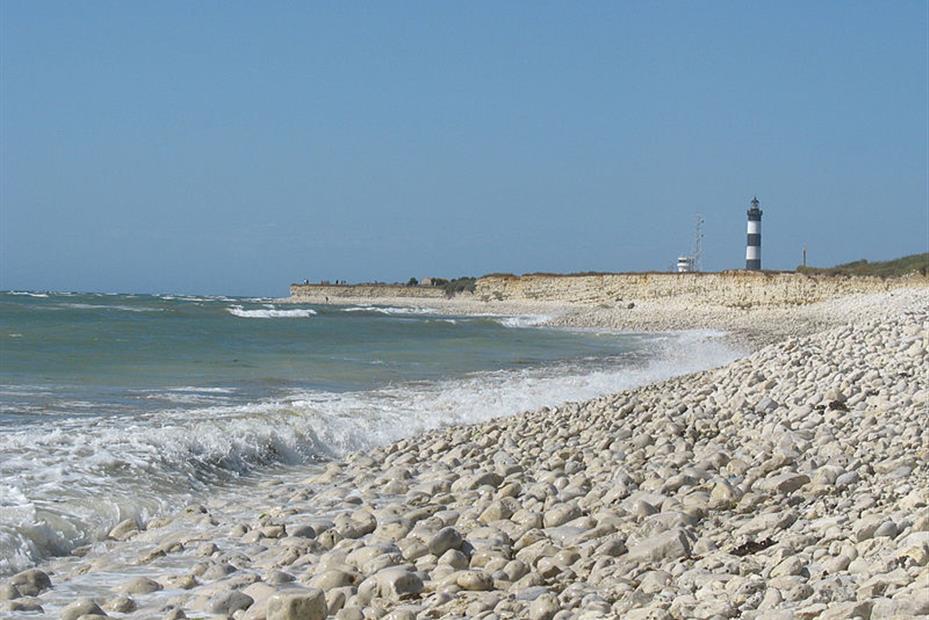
[(793, 483), (755, 326)]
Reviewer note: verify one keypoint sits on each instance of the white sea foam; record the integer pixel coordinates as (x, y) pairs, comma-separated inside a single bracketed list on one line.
[(156, 461), (391, 310), (271, 313), (79, 306), (527, 320), (195, 298), (28, 293), (190, 395), (185, 398), (24, 390)]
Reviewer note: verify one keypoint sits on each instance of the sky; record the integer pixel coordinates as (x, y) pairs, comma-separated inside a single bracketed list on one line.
[(235, 147)]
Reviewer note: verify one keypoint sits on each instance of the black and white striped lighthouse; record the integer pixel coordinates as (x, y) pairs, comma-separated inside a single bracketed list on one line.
[(753, 245)]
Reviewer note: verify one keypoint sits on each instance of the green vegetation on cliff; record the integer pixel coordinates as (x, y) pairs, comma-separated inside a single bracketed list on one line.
[(916, 263), (456, 285)]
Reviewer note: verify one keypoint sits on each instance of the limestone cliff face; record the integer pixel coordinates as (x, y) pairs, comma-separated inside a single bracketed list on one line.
[(739, 289), (732, 288)]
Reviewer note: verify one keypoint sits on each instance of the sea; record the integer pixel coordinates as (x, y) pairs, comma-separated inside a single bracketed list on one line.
[(118, 406)]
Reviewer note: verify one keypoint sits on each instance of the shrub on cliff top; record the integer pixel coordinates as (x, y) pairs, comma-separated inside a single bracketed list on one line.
[(459, 285), (916, 263)]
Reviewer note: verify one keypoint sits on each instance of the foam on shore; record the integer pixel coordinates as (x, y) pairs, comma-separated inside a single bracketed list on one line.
[(87, 458)]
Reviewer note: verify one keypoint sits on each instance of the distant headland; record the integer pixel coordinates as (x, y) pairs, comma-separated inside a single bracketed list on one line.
[(736, 288)]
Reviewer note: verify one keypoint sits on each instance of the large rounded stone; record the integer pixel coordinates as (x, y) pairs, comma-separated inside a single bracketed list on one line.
[(474, 580), (305, 604), (141, 585), (445, 539), (332, 578), (544, 607), (31, 582), (124, 529), (398, 583), (229, 602), (81, 607), (559, 514), (669, 545)]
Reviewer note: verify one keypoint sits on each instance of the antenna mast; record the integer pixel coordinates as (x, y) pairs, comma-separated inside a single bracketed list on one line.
[(698, 243)]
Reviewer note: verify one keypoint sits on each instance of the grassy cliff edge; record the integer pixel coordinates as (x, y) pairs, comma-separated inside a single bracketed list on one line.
[(906, 265)]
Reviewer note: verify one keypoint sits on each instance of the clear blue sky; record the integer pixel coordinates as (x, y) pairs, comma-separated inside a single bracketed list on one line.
[(234, 147)]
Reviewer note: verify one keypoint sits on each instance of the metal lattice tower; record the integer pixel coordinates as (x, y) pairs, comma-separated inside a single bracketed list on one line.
[(698, 243)]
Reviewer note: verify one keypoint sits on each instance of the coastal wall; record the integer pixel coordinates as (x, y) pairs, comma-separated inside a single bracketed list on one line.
[(740, 289)]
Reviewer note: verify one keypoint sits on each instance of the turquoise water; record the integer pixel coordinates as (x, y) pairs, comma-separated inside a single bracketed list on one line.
[(109, 355), (116, 406)]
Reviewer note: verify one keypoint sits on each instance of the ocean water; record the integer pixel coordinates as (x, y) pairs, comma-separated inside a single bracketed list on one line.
[(129, 406)]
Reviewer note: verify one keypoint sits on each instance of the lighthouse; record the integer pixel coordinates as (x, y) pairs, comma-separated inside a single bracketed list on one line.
[(753, 244)]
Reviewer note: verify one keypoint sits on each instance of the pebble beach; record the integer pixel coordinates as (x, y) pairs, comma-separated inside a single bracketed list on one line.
[(791, 483)]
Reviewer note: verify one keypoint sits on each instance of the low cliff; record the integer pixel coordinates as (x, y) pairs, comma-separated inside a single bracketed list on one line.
[(739, 289), (730, 288)]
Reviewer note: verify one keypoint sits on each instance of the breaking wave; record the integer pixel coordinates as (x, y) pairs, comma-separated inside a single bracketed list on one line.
[(67, 482), (77, 306), (271, 313), (27, 294), (391, 310), (528, 320)]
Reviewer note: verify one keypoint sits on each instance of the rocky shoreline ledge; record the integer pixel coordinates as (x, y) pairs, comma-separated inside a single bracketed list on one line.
[(754, 326), (793, 483)]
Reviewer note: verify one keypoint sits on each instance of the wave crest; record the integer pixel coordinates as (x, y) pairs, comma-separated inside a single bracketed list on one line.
[(271, 313), (526, 320), (391, 310)]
